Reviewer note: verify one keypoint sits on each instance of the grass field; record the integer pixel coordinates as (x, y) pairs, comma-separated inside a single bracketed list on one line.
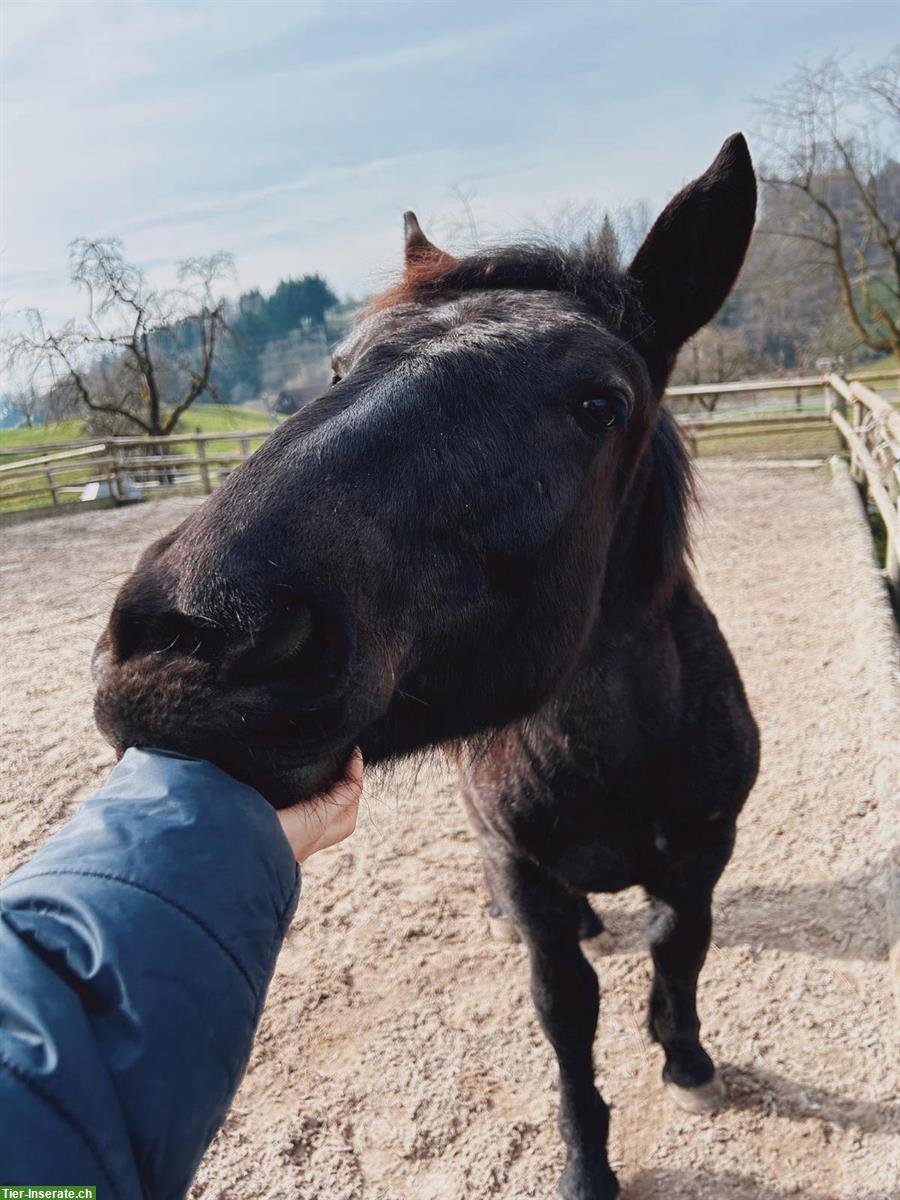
[(208, 418), (812, 440), (52, 431), (27, 443)]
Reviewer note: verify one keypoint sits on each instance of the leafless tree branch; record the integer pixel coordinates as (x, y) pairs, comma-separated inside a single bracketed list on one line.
[(120, 338)]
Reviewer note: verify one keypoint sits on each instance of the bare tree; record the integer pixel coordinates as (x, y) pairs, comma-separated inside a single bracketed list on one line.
[(29, 404), (141, 356), (829, 132), (604, 242), (632, 224), (715, 354), (466, 199)]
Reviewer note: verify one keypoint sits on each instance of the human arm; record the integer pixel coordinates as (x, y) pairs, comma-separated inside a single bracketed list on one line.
[(136, 948)]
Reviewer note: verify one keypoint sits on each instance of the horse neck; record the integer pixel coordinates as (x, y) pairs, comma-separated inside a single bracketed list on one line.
[(648, 554)]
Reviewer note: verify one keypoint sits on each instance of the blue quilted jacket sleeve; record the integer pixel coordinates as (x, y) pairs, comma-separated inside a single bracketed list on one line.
[(136, 948)]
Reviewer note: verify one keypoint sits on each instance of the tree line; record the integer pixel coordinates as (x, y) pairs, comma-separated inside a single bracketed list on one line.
[(822, 276), (822, 280), (141, 356)]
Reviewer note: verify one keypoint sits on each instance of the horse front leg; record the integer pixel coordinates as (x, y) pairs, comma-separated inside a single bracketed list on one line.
[(680, 934), (590, 925), (500, 925), (566, 995)]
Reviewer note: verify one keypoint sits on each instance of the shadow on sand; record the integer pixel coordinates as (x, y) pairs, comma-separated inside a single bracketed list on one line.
[(764, 1091), (840, 918), (750, 1088), (729, 1185)]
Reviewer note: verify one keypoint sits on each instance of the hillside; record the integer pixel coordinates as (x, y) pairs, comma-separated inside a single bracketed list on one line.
[(207, 418)]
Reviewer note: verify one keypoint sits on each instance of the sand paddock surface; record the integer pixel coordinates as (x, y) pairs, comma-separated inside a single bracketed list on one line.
[(399, 1057)]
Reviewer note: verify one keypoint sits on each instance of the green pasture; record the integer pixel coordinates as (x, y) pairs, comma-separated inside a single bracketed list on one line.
[(807, 441), (28, 443), (722, 438), (207, 418)]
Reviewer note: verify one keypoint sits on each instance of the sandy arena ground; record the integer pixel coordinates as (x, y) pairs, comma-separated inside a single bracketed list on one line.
[(399, 1057)]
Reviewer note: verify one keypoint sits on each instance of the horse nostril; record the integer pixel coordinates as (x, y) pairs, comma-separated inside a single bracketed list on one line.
[(135, 632), (305, 644), (283, 646), (301, 641)]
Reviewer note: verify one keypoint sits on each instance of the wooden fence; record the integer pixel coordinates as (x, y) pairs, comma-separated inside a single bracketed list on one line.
[(870, 427), (867, 424), (784, 393), (123, 468), (846, 411)]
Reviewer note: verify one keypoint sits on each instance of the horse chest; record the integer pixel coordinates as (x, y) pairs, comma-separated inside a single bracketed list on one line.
[(597, 867), (595, 842)]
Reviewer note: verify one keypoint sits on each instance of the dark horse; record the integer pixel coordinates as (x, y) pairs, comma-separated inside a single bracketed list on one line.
[(477, 538)]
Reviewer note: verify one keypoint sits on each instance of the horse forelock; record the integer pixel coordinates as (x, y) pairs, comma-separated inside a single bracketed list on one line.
[(585, 272)]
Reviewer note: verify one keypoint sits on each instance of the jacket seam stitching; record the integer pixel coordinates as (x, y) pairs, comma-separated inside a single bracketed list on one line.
[(278, 938), (282, 916), (57, 1107), (173, 904)]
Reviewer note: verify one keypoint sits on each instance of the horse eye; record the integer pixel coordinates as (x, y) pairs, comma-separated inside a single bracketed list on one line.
[(600, 413), (335, 378)]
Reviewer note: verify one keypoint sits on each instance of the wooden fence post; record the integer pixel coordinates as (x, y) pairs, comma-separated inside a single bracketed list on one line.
[(204, 465), (115, 483), (51, 485), (858, 417), (245, 448), (892, 560)]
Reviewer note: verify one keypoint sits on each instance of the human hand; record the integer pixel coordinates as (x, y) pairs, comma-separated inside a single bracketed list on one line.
[(328, 818)]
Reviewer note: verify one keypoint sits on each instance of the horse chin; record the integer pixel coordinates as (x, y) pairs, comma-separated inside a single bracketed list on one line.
[(284, 786)]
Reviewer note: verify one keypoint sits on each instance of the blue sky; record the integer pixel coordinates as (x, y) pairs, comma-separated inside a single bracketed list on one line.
[(293, 134)]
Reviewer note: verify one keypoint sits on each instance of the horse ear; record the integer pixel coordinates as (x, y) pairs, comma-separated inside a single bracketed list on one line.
[(692, 255), (418, 247)]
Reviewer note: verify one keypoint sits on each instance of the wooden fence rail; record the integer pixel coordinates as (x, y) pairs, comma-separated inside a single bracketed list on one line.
[(867, 423), (798, 388), (171, 439), (125, 468), (122, 468), (871, 429)]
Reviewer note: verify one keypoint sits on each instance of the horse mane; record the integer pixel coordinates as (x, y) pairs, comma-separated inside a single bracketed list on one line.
[(657, 531), (587, 271), (662, 534)]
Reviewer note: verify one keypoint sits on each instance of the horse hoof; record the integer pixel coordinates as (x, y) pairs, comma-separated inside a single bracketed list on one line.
[(503, 930), (602, 943), (704, 1099)]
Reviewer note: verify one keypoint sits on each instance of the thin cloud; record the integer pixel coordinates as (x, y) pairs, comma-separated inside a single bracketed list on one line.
[(294, 134)]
